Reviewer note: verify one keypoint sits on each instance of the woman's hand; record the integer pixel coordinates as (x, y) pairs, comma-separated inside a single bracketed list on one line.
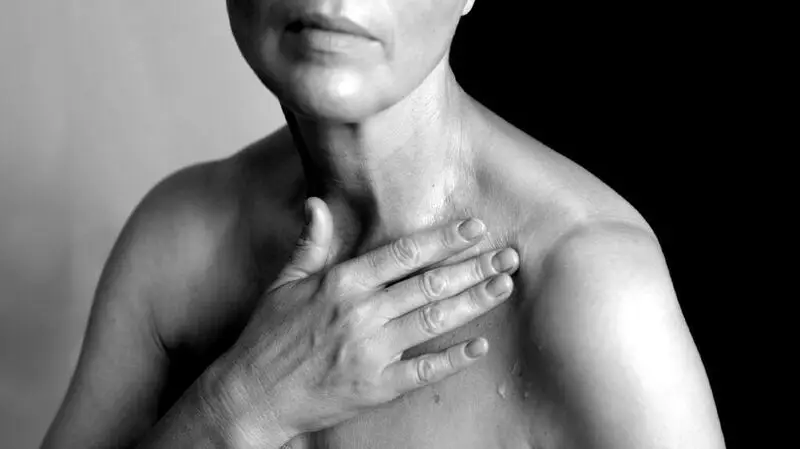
[(325, 343)]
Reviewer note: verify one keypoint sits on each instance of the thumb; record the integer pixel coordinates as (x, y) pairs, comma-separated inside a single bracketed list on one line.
[(311, 253)]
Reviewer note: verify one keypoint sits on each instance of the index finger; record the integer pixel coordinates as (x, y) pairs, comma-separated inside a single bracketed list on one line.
[(408, 254)]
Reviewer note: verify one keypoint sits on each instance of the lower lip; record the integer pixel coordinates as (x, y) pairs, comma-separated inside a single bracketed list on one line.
[(325, 41)]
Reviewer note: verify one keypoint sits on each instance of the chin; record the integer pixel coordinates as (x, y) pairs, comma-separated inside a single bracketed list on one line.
[(332, 95)]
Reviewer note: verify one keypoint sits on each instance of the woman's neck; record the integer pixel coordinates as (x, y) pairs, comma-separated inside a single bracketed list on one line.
[(398, 170)]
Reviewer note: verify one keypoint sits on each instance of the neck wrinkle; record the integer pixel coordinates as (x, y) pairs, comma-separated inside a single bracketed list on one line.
[(399, 169)]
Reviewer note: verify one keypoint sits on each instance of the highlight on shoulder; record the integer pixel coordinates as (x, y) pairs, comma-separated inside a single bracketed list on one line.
[(606, 327)]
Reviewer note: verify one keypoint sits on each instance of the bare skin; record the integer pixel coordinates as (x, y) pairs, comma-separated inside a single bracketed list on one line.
[(590, 350), (511, 399)]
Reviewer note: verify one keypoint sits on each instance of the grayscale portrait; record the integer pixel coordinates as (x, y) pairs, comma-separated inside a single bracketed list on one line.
[(341, 224)]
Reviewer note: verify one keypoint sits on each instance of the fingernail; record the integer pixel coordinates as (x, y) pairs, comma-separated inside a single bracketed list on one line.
[(471, 228), (499, 285), (504, 260), (477, 348)]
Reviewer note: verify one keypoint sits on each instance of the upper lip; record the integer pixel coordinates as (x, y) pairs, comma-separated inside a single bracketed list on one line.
[(330, 23)]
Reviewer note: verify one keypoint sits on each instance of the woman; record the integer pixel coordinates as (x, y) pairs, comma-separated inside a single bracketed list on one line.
[(590, 349)]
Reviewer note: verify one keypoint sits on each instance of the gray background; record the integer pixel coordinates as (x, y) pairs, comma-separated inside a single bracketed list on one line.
[(99, 99)]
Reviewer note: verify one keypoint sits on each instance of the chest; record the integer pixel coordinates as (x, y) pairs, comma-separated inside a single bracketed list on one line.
[(501, 402)]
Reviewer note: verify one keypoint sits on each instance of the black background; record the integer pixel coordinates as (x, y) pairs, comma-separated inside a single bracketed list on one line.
[(641, 96)]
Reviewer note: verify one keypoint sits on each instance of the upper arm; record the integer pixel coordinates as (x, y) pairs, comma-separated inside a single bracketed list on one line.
[(114, 393), (608, 325)]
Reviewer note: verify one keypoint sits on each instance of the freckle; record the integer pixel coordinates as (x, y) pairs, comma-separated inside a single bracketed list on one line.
[(502, 390), (437, 398)]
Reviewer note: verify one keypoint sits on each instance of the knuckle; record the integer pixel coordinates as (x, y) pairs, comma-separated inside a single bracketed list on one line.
[(450, 237), (304, 241), (360, 355), (332, 279), (448, 364), (431, 319), (359, 315), (342, 312), (356, 369), (433, 284), (374, 260), (352, 317), (405, 251), (364, 387), (425, 372), (363, 379), (475, 299), (338, 280), (469, 303), (478, 268)]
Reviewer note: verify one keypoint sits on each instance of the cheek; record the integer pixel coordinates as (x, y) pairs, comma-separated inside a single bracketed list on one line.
[(423, 32), (250, 20)]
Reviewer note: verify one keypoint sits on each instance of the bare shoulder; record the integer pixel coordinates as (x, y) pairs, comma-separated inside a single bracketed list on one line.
[(211, 194), (188, 213), (614, 264), (184, 210), (537, 181), (605, 318), (174, 289), (576, 230), (187, 243), (166, 236), (174, 227), (605, 329)]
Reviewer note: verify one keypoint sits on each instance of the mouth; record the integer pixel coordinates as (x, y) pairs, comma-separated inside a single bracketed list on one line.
[(322, 22)]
